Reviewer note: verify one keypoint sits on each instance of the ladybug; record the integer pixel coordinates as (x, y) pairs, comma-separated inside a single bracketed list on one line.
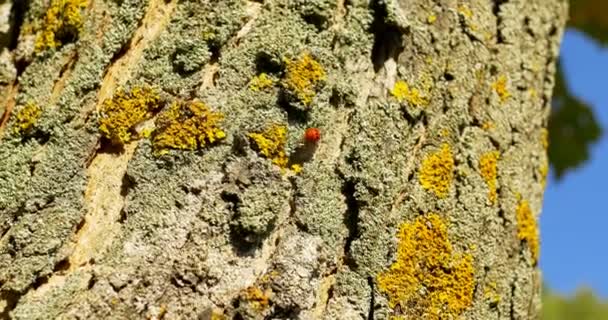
[(312, 135)]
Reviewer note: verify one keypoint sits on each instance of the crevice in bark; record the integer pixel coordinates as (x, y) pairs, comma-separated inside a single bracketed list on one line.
[(17, 17), (512, 307), (351, 220), (372, 302), (11, 298), (462, 22), (496, 10), (388, 38)]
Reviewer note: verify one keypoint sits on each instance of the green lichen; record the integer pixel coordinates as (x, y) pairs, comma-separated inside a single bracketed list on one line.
[(26, 118), (125, 110), (62, 22), (428, 280), (187, 126), (303, 77), (437, 171)]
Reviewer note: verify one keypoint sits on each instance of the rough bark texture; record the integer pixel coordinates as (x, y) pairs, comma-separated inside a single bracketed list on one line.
[(418, 202)]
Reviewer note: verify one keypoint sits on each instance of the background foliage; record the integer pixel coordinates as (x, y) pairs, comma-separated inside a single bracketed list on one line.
[(573, 129)]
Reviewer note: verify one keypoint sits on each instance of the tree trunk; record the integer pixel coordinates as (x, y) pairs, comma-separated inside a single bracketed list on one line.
[(159, 159)]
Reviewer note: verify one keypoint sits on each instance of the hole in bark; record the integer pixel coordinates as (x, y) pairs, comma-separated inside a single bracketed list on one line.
[(448, 76), (265, 63), (126, 185), (317, 20), (92, 282), (388, 40), (62, 265)]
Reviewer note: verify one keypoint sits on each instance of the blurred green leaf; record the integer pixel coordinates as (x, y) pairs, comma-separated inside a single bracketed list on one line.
[(589, 16), (584, 305), (572, 129)]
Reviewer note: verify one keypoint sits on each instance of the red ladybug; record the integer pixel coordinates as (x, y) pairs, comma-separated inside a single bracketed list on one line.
[(312, 135)]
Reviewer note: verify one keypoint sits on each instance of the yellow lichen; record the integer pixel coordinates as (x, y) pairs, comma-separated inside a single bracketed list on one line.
[(544, 171), (428, 280), (544, 138), (303, 77), (402, 92), (217, 315), (491, 292), (125, 110), (488, 165), (63, 20), (26, 118), (261, 82), (187, 126), (437, 171), (465, 11), (431, 19), (488, 125), (527, 229), (500, 86), (271, 144), (257, 298)]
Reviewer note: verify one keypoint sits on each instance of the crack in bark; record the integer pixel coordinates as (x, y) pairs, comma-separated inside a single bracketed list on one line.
[(496, 4), (372, 302), (351, 220), (388, 38)]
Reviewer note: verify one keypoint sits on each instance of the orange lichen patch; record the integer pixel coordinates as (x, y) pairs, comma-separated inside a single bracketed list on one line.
[(120, 115), (488, 166), (26, 118), (260, 82), (428, 280), (437, 171), (257, 298), (187, 126), (63, 20), (527, 228), (271, 144), (402, 92), (303, 77), (500, 87)]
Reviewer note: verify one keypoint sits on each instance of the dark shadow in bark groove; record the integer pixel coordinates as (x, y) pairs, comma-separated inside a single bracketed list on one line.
[(12, 298), (351, 220), (372, 302), (496, 10), (388, 38)]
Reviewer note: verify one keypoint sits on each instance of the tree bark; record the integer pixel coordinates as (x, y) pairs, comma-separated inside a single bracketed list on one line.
[(121, 198)]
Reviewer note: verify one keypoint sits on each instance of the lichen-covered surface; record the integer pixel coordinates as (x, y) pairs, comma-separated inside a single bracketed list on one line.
[(153, 162)]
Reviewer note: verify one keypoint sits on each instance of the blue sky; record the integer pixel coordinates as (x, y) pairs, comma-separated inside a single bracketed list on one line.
[(574, 220)]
